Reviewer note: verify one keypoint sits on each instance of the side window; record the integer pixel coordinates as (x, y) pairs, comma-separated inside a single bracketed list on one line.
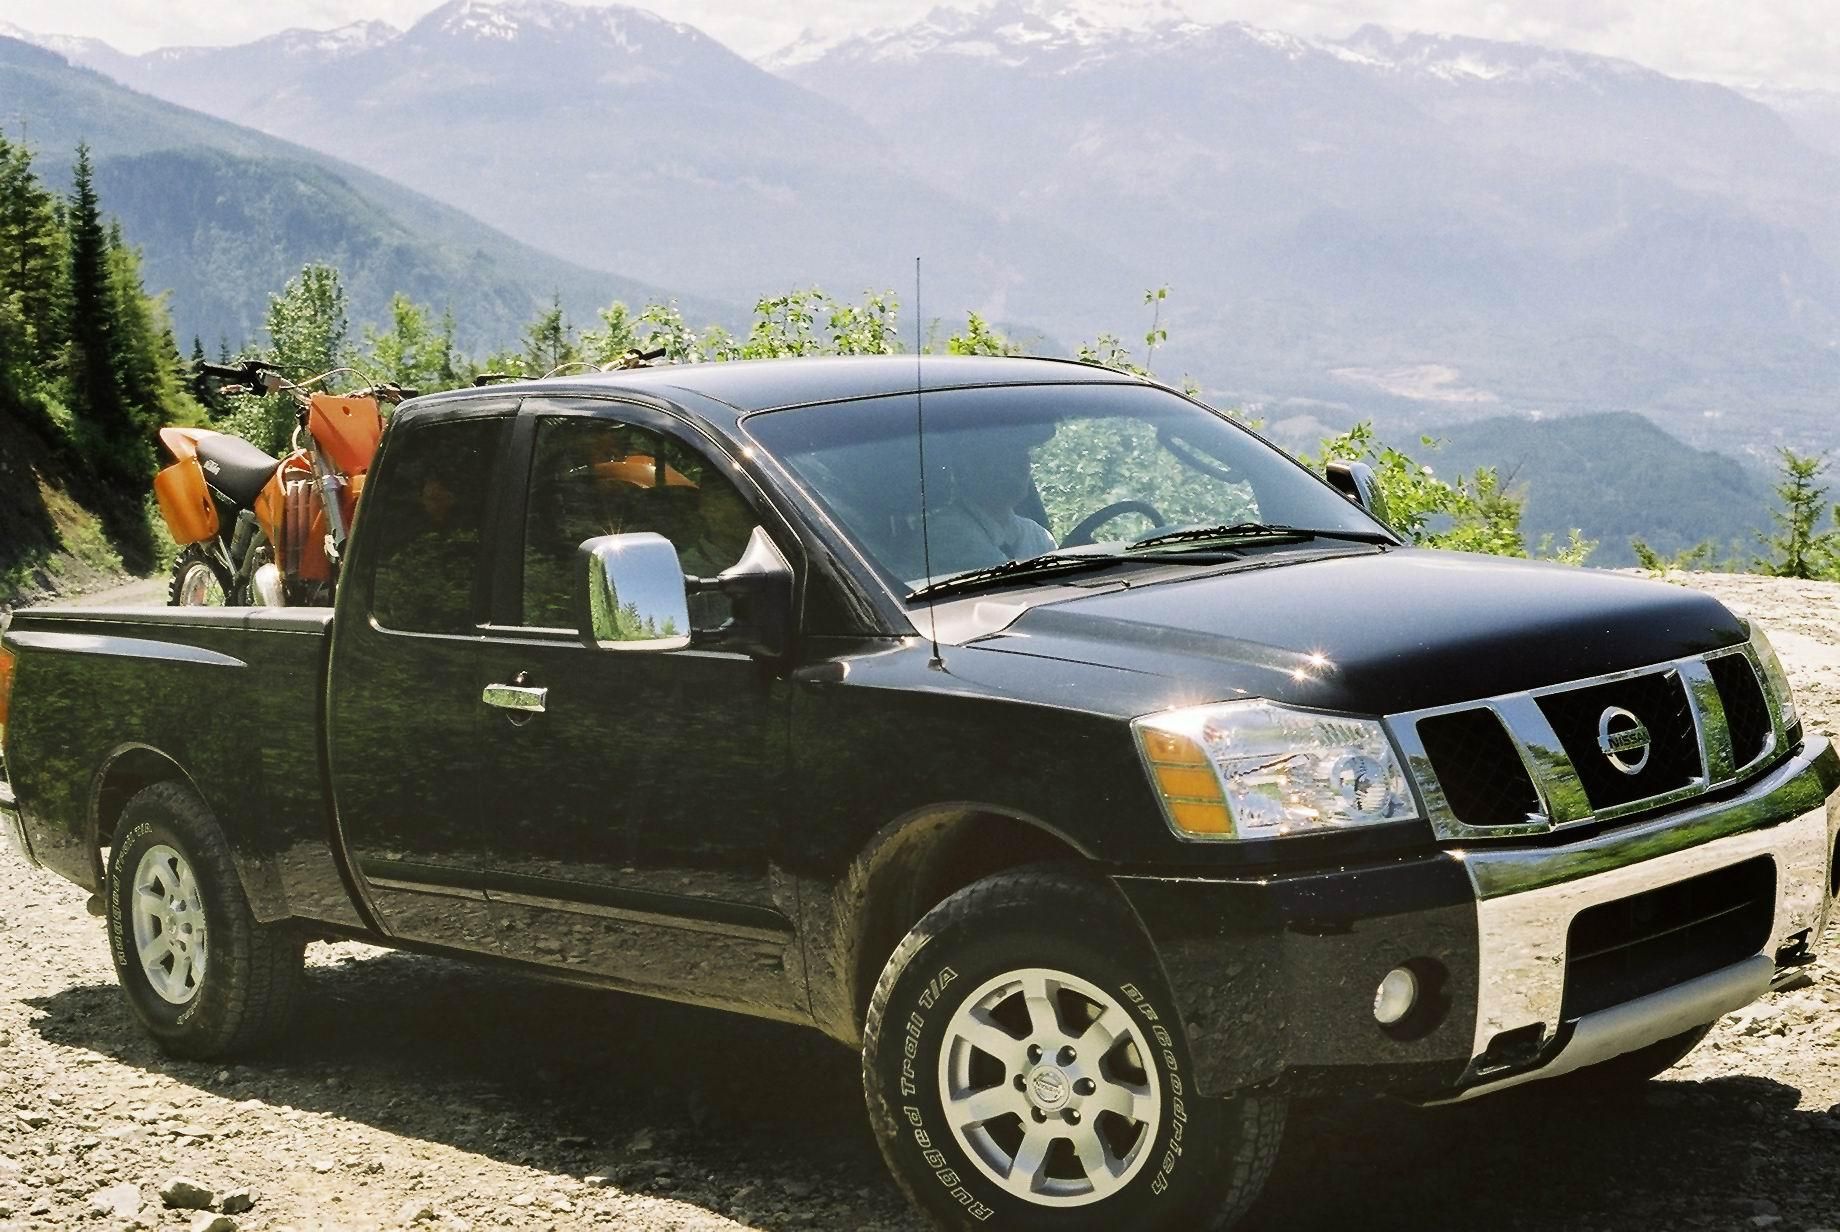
[(430, 511), (592, 477)]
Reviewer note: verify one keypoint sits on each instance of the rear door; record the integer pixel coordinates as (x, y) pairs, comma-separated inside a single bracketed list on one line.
[(404, 714), (638, 813)]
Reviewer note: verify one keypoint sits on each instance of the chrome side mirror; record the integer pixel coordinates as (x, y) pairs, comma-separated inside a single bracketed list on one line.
[(1357, 481), (632, 594)]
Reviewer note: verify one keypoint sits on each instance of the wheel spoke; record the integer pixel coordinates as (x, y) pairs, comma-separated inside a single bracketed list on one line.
[(1032, 1155), (1038, 995), (976, 1107), (987, 1036), (1097, 1039), (1065, 1079), (1089, 1147), (1131, 1102), (169, 924)]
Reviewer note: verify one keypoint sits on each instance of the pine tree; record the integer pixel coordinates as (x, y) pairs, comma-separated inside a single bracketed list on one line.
[(549, 341), (31, 257), (107, 431), (1799, 548), (145, 357)]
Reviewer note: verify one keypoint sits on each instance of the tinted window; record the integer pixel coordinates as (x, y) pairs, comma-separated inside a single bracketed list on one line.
[(430, 510), (593, 477)]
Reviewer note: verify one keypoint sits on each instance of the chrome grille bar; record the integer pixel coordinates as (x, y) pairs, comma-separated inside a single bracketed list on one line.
[(1564, 799)]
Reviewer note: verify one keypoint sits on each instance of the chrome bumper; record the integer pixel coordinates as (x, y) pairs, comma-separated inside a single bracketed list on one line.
[(12, 825), (1527, 898)]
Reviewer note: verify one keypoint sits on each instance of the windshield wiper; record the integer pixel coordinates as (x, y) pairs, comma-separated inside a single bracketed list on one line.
[(1253, 530), (990, 575)]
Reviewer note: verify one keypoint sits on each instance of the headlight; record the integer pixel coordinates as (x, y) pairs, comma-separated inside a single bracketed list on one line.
[(1255, 769), (1774, 678)]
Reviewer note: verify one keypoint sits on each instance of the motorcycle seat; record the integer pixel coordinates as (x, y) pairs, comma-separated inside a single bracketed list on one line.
[(235, 467)]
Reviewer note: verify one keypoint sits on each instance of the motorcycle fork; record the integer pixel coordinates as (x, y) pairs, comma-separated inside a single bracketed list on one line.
[(330, 484)]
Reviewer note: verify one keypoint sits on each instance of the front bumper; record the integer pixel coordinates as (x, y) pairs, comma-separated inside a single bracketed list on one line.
[(1276, 977)]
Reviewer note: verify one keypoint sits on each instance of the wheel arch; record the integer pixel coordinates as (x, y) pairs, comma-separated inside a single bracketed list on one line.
[(131, 768), (128, 769), (911, 865)]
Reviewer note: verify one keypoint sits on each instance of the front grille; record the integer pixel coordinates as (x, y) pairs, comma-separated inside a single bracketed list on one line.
[(1482, 776), (1659, 700), (1747, 714), (1630, 948)]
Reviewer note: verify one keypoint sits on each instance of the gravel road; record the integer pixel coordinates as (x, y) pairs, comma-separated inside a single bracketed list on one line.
[(423, 1093)]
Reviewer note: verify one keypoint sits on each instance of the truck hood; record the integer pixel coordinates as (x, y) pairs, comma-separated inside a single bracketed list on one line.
[(1374, 633)]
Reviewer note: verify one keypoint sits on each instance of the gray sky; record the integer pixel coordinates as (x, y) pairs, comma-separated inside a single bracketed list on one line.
[(1776, 42)]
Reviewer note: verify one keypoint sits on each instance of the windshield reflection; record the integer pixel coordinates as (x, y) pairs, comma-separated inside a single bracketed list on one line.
[(1017, 471)]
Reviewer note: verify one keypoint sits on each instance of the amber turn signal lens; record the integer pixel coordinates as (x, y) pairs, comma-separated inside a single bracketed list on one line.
[(1187, 782), (6, 685), (1166, 748)]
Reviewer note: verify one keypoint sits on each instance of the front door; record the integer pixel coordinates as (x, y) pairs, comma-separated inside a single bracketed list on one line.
[(404, 718), (637, 812)]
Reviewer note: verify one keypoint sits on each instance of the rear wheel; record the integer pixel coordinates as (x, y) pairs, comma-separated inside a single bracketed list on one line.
[(204, 978), (1025, 1069), (198, 580)]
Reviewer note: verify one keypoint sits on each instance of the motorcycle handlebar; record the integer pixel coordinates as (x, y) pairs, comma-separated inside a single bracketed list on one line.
[(249, 372)]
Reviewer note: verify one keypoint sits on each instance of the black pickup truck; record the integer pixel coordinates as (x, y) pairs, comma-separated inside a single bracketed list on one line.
[(1101, 773)]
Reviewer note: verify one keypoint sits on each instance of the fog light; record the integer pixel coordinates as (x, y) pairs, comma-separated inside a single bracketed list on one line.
[(1396, 997)]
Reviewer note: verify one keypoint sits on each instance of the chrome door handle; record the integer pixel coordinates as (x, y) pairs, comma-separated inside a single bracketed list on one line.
[(515, 697)]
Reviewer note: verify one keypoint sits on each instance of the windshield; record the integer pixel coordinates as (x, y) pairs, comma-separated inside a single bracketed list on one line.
[(1013, 472)]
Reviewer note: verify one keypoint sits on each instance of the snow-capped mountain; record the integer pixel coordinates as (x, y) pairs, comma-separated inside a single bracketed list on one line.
[(549, 20), (622, 140), (1010, 32), (1538, 229), (1430, 196), (89, 52)]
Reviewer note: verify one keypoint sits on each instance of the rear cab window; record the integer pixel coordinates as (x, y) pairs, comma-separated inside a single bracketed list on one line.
[(430, 509)]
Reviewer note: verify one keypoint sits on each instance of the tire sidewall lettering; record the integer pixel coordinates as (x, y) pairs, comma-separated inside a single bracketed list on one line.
[(935, 1160), (934, 1147), (121, 925), (118, 904), (1178, 1113)]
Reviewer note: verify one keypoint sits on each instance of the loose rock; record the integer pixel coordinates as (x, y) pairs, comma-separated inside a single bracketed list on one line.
[(123, 1201), (183, 1193)]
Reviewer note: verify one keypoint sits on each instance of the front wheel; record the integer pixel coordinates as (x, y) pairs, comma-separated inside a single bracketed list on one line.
[(1025, 1069), (198, 580), (204, 978)]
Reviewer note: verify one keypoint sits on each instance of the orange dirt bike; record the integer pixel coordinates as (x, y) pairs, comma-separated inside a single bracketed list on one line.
[(261, 531)]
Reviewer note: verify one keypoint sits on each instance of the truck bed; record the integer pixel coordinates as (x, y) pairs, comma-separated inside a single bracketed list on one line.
[(233, 694)]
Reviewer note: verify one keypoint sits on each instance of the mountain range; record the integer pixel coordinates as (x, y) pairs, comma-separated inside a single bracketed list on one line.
[(626, 142), (225, 215), (1420, 228)]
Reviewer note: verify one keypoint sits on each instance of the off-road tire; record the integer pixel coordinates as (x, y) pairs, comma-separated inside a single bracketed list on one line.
[(246, 994), (189, 560), (1631, 1070), (1207, 1159)]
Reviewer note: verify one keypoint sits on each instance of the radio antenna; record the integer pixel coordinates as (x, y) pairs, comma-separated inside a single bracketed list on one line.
[(926, 545)]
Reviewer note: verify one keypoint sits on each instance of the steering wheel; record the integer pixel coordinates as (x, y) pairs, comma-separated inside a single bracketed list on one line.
[(1083, 533)]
